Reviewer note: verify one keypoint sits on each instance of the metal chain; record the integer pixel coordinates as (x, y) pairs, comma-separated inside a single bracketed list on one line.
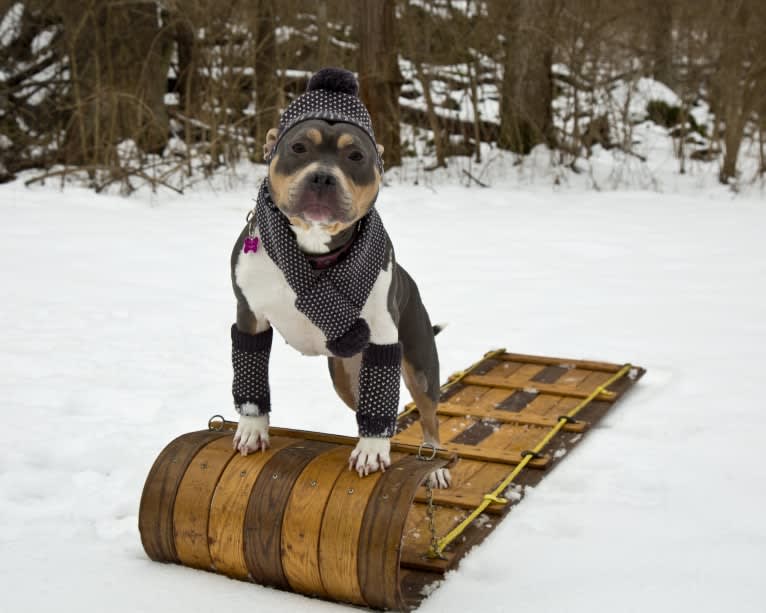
[(431, 512), (433, 552)]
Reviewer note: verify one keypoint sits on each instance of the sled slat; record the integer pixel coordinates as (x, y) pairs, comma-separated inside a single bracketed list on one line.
[(303, 520), (266, 507), (540, 387), (382, 527), (192, 507), (449, 428), (546, 361), (339, 538), (155, 517), (227, 510), (485, 452), (593, 380), (504, 416), (470, 481), (417, 535)]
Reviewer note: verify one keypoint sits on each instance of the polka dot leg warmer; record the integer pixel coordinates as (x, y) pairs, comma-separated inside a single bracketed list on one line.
[(250, 358), (379, 390)]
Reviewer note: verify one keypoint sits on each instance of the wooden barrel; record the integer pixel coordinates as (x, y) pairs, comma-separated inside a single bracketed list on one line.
[(293, 517)]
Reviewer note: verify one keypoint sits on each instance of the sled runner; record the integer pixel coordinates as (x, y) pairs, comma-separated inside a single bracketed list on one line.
[(296, 518)]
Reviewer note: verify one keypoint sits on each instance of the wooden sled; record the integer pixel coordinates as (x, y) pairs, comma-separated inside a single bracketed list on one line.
[(294, 517)]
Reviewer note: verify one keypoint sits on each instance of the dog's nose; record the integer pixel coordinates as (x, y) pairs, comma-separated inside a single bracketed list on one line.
[(322, 180)]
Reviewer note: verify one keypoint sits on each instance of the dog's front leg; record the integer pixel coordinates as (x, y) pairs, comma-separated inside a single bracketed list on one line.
[(250, 388), (252, 434), (370, 455), (379, 381)]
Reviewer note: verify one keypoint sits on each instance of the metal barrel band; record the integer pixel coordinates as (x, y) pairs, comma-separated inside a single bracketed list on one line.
[(568, 419), (535, 455)]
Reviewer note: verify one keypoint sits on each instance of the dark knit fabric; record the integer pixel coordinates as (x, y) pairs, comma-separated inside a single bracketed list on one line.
[(379, 390), (332, 95), (332, 298), (250, 358)]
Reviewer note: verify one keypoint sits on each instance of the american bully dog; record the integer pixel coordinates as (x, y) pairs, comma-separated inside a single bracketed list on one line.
[(315, 262)]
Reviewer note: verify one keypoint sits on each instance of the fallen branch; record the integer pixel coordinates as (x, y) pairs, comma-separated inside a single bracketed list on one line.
[(470, 176)]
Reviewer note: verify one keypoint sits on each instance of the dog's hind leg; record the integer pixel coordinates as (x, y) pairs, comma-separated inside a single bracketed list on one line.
[(418, 386), (420, 368)]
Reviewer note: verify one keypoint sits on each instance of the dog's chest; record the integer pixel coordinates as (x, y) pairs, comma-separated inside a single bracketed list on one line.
[(270, 297)]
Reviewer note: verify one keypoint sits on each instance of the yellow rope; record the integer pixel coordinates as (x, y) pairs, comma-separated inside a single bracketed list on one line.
[(494, 496)]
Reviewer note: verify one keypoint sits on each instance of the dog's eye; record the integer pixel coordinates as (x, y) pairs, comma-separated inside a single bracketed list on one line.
[(299, 148), (356, 156)]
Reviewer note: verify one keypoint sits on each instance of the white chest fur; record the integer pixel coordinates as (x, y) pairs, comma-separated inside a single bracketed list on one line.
[(272, 300)]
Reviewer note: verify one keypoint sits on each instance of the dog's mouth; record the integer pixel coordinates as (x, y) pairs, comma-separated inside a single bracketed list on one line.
[(319, 208), (321, 200)]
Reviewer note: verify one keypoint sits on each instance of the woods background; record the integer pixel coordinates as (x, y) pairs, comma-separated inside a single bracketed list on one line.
[(165, 91)]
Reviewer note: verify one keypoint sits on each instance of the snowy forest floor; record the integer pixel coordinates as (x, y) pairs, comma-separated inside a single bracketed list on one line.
[(114, 324)]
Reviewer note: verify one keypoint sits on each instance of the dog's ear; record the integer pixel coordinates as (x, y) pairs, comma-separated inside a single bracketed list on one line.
[(380, 150), (271, 140)]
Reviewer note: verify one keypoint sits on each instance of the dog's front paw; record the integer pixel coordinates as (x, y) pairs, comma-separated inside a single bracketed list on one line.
[(371, 454), (252, 434), (440, 479)]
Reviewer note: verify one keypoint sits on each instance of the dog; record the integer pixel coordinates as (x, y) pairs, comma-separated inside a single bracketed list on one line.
[(324, 175)]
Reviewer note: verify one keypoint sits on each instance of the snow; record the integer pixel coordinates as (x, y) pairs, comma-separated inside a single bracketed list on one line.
[(9, 24), (114, 322)]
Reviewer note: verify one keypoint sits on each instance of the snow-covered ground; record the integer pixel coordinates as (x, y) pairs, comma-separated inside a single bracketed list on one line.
[(114, 318)]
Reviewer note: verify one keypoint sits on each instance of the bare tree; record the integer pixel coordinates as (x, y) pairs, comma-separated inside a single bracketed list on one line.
[(736, 80), (379, 77), (527, 87), (118, 55), (660, 25), (266, 86)]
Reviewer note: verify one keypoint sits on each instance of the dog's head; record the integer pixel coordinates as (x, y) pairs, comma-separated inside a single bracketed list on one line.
[(324, 164), (323, 172)]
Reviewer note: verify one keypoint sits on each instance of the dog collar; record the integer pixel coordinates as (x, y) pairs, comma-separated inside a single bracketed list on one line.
[(326, 260)]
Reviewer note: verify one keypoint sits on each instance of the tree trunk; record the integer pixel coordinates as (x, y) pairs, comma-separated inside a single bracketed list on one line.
[(187, 63), (119, 57), (379, 78), (527, 88), (433, 119), (734, 104), (474, 69), (660, 23), (323, 34), (266, 86)]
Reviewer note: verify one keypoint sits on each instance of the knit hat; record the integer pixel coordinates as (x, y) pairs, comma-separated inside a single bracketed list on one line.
[(332, 94)]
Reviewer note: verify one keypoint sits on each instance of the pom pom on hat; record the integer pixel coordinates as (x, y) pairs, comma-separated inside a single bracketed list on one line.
[(334, 80)]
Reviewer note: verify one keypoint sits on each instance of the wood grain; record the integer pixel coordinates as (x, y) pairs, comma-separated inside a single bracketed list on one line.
[(266, 508), (302, 522), (547, 388), (155, 515), (449, 428), (545, 361), (470, 481), (339, 537), (191, 512), (382, 530), (417, 535), (524, 417), (228, 507)]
